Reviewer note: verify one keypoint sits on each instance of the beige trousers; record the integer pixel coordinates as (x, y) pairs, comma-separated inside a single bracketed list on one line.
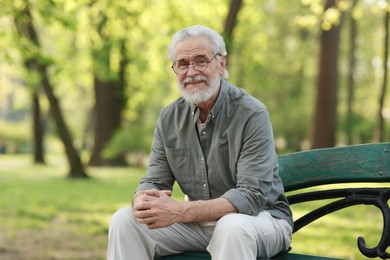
[(234, 237)]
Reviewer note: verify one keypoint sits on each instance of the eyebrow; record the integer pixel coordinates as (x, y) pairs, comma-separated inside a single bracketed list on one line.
[(197, 56)]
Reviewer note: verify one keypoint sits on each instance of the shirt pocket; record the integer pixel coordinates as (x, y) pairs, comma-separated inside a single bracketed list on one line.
[(180, 164)]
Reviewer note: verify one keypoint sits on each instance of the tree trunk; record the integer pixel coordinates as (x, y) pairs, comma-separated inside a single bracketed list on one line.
[(38, 130), (351, 75), (24, 24), (109, 103), (326, 101), (107, 118), (76, 167), (381, 121), (230, 23)]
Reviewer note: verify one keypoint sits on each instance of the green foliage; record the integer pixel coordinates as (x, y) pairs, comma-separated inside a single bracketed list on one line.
[(362, 128), (14, 137), (129, 139), (273, 56), (270, 61)]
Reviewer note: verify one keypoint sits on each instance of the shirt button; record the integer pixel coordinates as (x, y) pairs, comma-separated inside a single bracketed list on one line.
[(202, 158), (204, 132), (205, 185)]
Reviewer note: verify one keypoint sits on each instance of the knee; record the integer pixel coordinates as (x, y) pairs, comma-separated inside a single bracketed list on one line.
[(234, 226), (233, 238), (122, 217)]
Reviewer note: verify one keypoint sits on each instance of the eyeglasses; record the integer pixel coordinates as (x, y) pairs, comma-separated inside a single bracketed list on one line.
[(199, 63)]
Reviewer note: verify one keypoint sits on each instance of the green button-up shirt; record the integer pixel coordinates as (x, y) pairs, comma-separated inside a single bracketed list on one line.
[(232, 157)]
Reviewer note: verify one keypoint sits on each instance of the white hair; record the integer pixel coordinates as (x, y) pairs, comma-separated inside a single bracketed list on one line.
[(217, 42)]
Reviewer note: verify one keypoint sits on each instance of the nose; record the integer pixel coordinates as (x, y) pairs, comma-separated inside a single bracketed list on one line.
[(191, 70)]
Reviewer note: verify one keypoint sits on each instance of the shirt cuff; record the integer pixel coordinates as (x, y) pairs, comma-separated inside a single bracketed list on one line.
[(239, 201)]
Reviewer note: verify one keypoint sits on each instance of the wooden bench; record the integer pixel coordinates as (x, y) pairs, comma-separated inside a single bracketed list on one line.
[(367, 163)]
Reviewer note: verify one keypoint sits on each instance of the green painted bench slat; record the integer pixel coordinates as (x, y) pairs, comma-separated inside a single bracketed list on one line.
[(347, 164)]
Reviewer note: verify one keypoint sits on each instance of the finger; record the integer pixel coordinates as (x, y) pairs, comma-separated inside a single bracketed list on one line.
[(147, 220), (142, 213), (142, 205), (153, 193), (158, 193), (149, 197), (167, 192), (152, 226), (138, 198), (141, 199), (156, 225)]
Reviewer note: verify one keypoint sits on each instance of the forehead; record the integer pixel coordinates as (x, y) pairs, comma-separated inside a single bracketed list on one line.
[(193, 46)]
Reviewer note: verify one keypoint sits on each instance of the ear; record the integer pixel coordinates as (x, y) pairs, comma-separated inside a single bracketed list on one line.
[(222, 65)]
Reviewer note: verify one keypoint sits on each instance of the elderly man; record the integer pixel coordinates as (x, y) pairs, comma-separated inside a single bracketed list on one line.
[(216, 142)]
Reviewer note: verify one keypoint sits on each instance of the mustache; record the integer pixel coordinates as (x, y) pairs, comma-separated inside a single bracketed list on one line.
[(196, 78)]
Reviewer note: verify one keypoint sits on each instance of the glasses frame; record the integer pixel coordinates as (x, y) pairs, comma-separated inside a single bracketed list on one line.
[(193, 65)]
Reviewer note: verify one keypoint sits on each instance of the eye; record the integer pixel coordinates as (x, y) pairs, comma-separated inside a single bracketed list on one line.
[(200, 61), (181, 64)]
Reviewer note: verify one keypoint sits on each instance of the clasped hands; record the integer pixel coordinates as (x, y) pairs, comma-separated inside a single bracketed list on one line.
[(156, 208)]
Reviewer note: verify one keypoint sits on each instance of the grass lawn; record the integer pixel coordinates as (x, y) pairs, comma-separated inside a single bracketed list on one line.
[(44, 215)]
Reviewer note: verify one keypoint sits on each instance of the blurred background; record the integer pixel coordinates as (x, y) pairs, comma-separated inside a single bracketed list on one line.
[(91, 76), (85, 79)]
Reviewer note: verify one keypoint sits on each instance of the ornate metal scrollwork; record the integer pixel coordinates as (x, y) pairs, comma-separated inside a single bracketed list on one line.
[(378, 197)]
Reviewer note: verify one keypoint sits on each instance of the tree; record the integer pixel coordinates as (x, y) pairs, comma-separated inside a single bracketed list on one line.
[(39, 65), (351, 74), (272, 48), (381, 123), (326, 100), (38, 129), (110, 98), (230, 22), (109, 95)]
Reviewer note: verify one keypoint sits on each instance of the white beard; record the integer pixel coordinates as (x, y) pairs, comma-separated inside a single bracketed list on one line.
[(199, 96)]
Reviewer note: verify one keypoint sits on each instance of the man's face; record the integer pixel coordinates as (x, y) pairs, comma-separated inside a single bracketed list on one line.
[(198, 86)]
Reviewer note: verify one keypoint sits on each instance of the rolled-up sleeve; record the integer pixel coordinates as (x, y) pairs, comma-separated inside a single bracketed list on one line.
[(256, 164)]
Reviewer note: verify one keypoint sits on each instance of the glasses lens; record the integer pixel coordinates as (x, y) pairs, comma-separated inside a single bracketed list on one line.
[(200, 64), (180, 67)]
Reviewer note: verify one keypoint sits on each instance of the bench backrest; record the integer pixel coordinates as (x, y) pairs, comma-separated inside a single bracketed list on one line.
[(355, 163)]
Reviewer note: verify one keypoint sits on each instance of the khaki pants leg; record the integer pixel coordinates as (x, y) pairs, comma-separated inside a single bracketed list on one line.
[(128, 239), (239, 236)]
